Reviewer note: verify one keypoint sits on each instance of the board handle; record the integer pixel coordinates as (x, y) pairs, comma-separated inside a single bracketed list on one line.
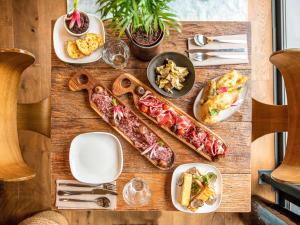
[(123, 85), (81, 80)]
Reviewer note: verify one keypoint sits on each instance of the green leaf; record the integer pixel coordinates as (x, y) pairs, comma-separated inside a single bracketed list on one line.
[(150, 15), (213, 112), (114, 102)]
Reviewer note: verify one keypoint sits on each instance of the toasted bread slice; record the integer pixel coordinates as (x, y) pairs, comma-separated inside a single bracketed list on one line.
[(89, 43), (73, 50)]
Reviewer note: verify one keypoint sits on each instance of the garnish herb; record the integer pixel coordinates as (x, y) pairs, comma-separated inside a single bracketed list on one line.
[(161, 143), (114, 102), (213, 112)]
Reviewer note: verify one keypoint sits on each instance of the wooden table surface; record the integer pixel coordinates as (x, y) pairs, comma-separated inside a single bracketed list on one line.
[(72, 115)]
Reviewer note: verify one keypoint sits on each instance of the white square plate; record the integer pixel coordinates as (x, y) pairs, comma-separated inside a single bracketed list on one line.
[(203, 168), (61, 36), (96, 157)]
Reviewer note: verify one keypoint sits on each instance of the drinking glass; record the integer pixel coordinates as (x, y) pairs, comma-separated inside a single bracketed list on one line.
[(136, 192), (116, 53)]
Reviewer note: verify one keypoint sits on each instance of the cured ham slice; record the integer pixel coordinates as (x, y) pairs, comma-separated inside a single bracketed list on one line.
[(182, 126)]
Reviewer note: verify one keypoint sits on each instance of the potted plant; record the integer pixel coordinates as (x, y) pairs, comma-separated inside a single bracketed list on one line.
[(145, 23), (76, 22)]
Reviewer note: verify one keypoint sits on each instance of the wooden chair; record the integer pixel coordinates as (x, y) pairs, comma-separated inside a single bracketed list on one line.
[(12, 63), (272, 118)]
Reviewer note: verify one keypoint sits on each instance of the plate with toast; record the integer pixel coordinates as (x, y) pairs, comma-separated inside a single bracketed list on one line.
[(196, 188), (79, 50)]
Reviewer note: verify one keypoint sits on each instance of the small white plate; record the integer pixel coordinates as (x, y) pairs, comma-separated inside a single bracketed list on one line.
[(224, 114), (61, 36), (203, 168), (96, 157)]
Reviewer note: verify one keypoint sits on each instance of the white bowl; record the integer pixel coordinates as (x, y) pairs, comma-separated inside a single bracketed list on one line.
[(70, 32), (61, 36), (96, 157), (203, 168)]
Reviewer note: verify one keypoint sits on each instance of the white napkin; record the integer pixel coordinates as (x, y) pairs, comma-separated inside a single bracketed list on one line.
[(81, 205), (218, 45)]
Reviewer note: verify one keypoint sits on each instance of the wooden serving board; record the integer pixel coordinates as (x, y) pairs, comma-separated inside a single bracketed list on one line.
[(127, 83), (82, 80)]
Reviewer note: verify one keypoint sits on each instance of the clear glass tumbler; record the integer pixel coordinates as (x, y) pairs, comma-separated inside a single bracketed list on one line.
[(116, 53), (136, 192)]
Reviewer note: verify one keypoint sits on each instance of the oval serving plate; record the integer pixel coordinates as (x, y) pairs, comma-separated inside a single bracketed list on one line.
[(224, 114), (203, 168)]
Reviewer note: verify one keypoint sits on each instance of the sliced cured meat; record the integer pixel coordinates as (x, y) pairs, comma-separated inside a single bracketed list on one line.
[(182, 122), (149, 100), (142, 137), (166, 119), (182, 126)]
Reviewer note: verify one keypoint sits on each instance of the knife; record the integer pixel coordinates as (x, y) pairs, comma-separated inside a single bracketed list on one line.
[(105, 186), (96, 191), (216, 50)]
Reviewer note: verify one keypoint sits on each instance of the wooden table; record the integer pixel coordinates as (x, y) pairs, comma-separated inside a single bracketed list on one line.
[(71, 115)]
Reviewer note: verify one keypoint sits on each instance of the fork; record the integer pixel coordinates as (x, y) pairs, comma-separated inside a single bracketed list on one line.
[(200, 56), (107, 186)]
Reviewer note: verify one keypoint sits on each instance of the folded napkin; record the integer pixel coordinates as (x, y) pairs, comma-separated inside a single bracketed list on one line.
[(81, 205), (219, 45)]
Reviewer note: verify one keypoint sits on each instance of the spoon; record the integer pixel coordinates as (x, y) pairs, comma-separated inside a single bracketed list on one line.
[(101, 201), (202, 40)]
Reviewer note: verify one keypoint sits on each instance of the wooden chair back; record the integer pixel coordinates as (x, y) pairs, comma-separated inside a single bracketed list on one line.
[(271, 118), (12, 63)]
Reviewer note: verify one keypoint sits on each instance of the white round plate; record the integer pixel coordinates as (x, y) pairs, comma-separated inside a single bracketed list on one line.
[(203, 168), (224, 114), (96, 157), (61, 36)]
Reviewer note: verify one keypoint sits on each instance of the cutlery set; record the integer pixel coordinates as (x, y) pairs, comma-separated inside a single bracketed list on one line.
[(101, 189), (209, 50)]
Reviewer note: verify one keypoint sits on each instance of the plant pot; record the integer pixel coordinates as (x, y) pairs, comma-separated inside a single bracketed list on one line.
[(144, 52)]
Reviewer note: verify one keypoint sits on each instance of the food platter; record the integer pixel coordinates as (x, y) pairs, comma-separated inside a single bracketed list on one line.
[(201, 139), (224, 114), (61, 36), (203, 168)]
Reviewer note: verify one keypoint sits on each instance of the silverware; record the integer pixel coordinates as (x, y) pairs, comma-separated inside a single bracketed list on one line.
[(202, 40), (101, 201), (215, 50), (107, 186), (94, 192), (204, 56)]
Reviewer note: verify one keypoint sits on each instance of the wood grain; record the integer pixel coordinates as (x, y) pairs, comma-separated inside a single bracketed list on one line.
[(61, 76), (35, 117), (260, 15), (236, 191), (90, 84), (12, 166), (20, 199), (287, 61), (268, 119), (119, 90), (71, 116)]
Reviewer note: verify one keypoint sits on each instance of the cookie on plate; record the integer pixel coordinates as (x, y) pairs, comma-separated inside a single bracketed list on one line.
[(73, 50)]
